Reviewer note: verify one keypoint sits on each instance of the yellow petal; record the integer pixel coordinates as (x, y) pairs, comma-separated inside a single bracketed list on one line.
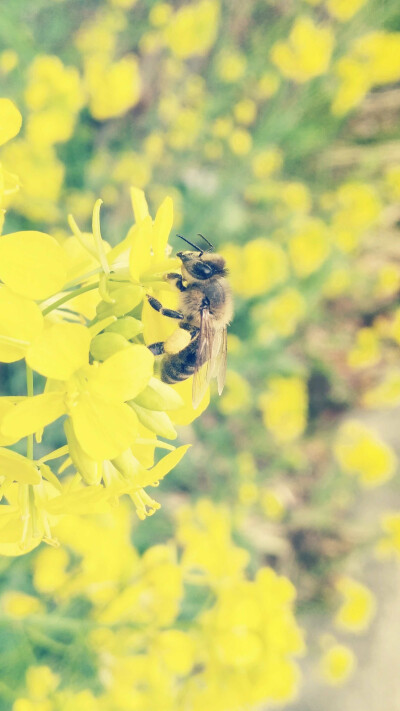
[(141, 245), (32, 264), (7, 404), (185, 415), (139, 204), (32, 414), (10, 120), (122, 376), (21, 321), (162, 468), (60, 350), (91, 499), (18, 468), (156, 421), (162, 227), (103, 429)]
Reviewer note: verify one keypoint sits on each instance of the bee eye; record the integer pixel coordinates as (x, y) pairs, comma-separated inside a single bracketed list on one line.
[(201, 270)]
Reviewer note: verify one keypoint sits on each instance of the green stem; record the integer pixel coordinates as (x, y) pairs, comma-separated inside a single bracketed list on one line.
[(68, 297), (29, 390)]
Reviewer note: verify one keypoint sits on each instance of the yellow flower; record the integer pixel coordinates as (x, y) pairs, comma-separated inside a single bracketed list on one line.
[(280, 316), (10, 120), (230, 65), (268, 85), (380, 53), (337, 283), (266, 162), (389, 545), (358, 606), (354, 83), (392, 181), (192, 29), (296, 196), (307, 53), (272, 505), (160, 14), (361, 452), (357, 207), (257, 268), (113, 87), (386, 394), (337, 664), (19, 605), (366, 351), (245, 111), (240, 141), (8, 60), (309, 247), (236, 396), (344, 10), (284, 408)]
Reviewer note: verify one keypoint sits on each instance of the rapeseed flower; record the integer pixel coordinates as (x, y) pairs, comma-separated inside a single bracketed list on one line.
[(337, 664), (361, 452), (284, 408), (358, 607), (192, 29), (307, 52)]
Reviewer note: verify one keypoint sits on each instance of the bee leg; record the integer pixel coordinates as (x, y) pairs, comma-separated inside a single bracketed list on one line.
[(157, 306), (176, 280), (156, 348)]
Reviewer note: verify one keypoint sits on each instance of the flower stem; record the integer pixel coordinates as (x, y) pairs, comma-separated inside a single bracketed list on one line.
[(29, 390), (67, 297)]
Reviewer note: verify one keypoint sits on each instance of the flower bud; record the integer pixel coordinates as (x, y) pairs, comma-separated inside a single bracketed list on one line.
[(127, 326), (125, 298), (106, 344), (90, 471), (157, 422), (127, 464), (159, 396)]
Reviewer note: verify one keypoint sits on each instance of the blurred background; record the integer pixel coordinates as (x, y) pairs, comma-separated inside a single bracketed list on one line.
[(274, 126)]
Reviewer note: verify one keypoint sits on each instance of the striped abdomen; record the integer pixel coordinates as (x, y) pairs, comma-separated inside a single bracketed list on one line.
[(180, 366)]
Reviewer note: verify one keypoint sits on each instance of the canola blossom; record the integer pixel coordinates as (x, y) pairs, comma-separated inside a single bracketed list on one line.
[(99, 374)]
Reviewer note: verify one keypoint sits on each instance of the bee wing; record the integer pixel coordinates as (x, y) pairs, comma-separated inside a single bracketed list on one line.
[(220, 361), (211, 357), (204, 367)]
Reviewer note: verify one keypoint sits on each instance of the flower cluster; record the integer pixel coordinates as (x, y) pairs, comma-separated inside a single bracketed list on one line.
[(99, 374), (174, 627)]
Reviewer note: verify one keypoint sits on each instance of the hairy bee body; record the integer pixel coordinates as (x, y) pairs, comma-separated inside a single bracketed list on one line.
[(198, 346)]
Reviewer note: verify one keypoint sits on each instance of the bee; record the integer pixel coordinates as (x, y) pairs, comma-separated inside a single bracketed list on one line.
[(198, 346)]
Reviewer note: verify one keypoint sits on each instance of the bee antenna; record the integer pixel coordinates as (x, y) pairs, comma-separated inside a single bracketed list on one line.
[(206, 240), (191, 244)]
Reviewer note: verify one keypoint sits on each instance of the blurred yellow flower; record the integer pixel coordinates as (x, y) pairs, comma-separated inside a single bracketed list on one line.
[(366, 350), (8, 60), (296, 196), (309, 247), (192, 29), (230, 65), (257, 267), (337, 283), (236, 396), (362, 453), (307, 53), (272, 504), (268, 85), (10, 120), (280, 316), (357, 207), (392, 181), (386, 394), (388, 281), (389, 545), (266, 162), (160, 14), (245, 111), (113, 87), (344, 10), (337, 664), (358, 607), (354, 83), (284, 408), (240, 141), (19, 605)]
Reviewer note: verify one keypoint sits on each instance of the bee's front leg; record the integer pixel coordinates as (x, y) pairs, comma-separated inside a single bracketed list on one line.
[(175, 279), (157, 306)]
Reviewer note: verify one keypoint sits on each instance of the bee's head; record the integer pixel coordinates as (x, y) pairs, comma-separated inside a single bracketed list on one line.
[(201, 265)]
